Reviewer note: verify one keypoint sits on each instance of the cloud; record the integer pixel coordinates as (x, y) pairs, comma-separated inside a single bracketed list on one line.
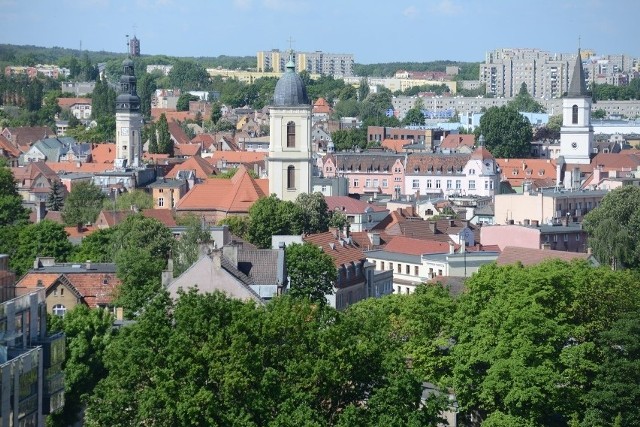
[(411, 12), (447, 7)]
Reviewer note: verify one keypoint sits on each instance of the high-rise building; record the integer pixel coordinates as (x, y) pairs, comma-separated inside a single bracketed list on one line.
[(328, 64), (128, 120), (31, 376), (134, 47), (290, 140)]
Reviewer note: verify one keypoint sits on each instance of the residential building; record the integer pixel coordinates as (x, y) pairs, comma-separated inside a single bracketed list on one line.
[(69, 284), (110, 218), (34, 181), (323, 63), (369, 173), (521, 174), (409, 135), (167, 192), (357, 279), (79, 107), (559, 235), (544, 206), (23, 137), (362, 216), (289, 158), (255, 275), (31, 375), (437, 174)]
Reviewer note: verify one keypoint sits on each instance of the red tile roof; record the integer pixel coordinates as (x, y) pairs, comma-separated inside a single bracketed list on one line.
[(394, 144), (202, 168), (69, 102), (409, 246), (349, 205), (25, 136), (321, 106), (177, 133), (237, 157), (482, 153), (340, 251), (6, 145), (455, 141), (163, 215), (235, 195), (103, 153), (516, 171), (187, 150), (171, 114), (82, 167)]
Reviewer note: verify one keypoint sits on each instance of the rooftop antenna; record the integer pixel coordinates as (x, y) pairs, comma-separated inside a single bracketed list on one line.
[(127, 36)]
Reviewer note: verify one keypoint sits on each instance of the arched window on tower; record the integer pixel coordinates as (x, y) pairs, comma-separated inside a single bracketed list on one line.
[(291, 135), (291, 178), (574, 115)]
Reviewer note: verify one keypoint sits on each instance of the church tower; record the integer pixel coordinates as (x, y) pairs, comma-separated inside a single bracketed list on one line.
[(290, 142), (576, 135), (128, 120)]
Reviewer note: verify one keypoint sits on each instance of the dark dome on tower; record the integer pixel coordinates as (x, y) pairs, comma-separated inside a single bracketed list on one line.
[(290, 90)]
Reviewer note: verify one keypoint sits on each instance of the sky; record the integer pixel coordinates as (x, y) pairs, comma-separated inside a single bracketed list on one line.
[(372, 30)]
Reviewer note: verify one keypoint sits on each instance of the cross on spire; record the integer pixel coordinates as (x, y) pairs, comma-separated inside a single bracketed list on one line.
[(290, 40)]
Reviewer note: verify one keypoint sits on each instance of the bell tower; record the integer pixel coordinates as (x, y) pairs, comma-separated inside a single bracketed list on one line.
[(576, 134), (128, 120), (290, 142)]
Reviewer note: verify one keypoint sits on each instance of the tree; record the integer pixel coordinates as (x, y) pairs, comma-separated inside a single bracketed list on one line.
[(11, 210), (315, 213), (520, 333), (363, 89), (523, 101), (271, 216), (346, 108), (125, 201), (612, 228), (83, 204), (140, 233), (88, 333), (55, 199), (238, 225), (45, 238), (146, 89), (188, 75), (414, 117), (506, 133), (153, 139), (187, 248), (139, 272), (216, 113), (183, 101), (98, 246), (349, 139), (165, 143), (311, 272), (599, 114)]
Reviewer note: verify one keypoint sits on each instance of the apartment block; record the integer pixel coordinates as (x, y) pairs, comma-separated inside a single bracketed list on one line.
[(31, 376), (318, 62)]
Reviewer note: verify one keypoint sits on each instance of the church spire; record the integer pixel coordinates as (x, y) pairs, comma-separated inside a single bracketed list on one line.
[(577, 86)]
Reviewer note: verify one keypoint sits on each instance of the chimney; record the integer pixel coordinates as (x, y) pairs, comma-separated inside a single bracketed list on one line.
[(432, 226), (346, 231), (527, 222), (216, 256), (119, 313), (374, 238), (79, 227), (463, 247), (167, 275), (535, 223), (452, 223), (87, 265), (589, 251), (230, 252), (546, 246), (41, 211), (36, 263), (335, 232), (452, 248)]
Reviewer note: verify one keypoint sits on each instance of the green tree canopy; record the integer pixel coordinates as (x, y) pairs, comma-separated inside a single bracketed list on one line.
[(165, 143), (45, 238), (98, 246), (188, 75), (138, 198), (311, 272), (238, 225), (524, 102), (414, 117), (315, 212), (612, 228), (347, 139), (140, 233), (83, 204), (55, 199), (183, 101), (272, 216), (506, 133)]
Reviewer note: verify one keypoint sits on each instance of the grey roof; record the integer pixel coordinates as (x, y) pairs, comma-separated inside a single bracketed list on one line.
[(393, 256), (166, 183), (63, 268), (263, 266), (577, 87), (290, 90)]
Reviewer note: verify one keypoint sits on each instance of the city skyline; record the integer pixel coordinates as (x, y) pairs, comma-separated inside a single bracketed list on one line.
[(404, 30)]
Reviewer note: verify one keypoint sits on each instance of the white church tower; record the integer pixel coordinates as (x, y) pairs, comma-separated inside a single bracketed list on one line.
[(290, 142), (128, 120), (576, 135)]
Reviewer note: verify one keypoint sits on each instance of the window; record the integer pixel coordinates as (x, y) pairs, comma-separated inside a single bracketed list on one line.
[(61, 292), (566, 238), (416, 183), (574, 115), (438, 183), (449, 184), (356, 182), (381, 265), (397, 179), (555, 237), (291, 178), (385, 183), (59, 310), (390, 266), (415, 270), (367, 183), (161, 202), (399, 268), (486, 184), (472, 184), (472, 171), (406, 269), (375, 183), (291, 135), (428, 183), (577, 237), (458, 184)]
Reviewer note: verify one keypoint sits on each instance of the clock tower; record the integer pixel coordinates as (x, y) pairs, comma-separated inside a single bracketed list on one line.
[(576, 135), (128, 120)]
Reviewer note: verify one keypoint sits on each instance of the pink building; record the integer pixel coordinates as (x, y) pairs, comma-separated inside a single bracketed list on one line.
[(368, 173)]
